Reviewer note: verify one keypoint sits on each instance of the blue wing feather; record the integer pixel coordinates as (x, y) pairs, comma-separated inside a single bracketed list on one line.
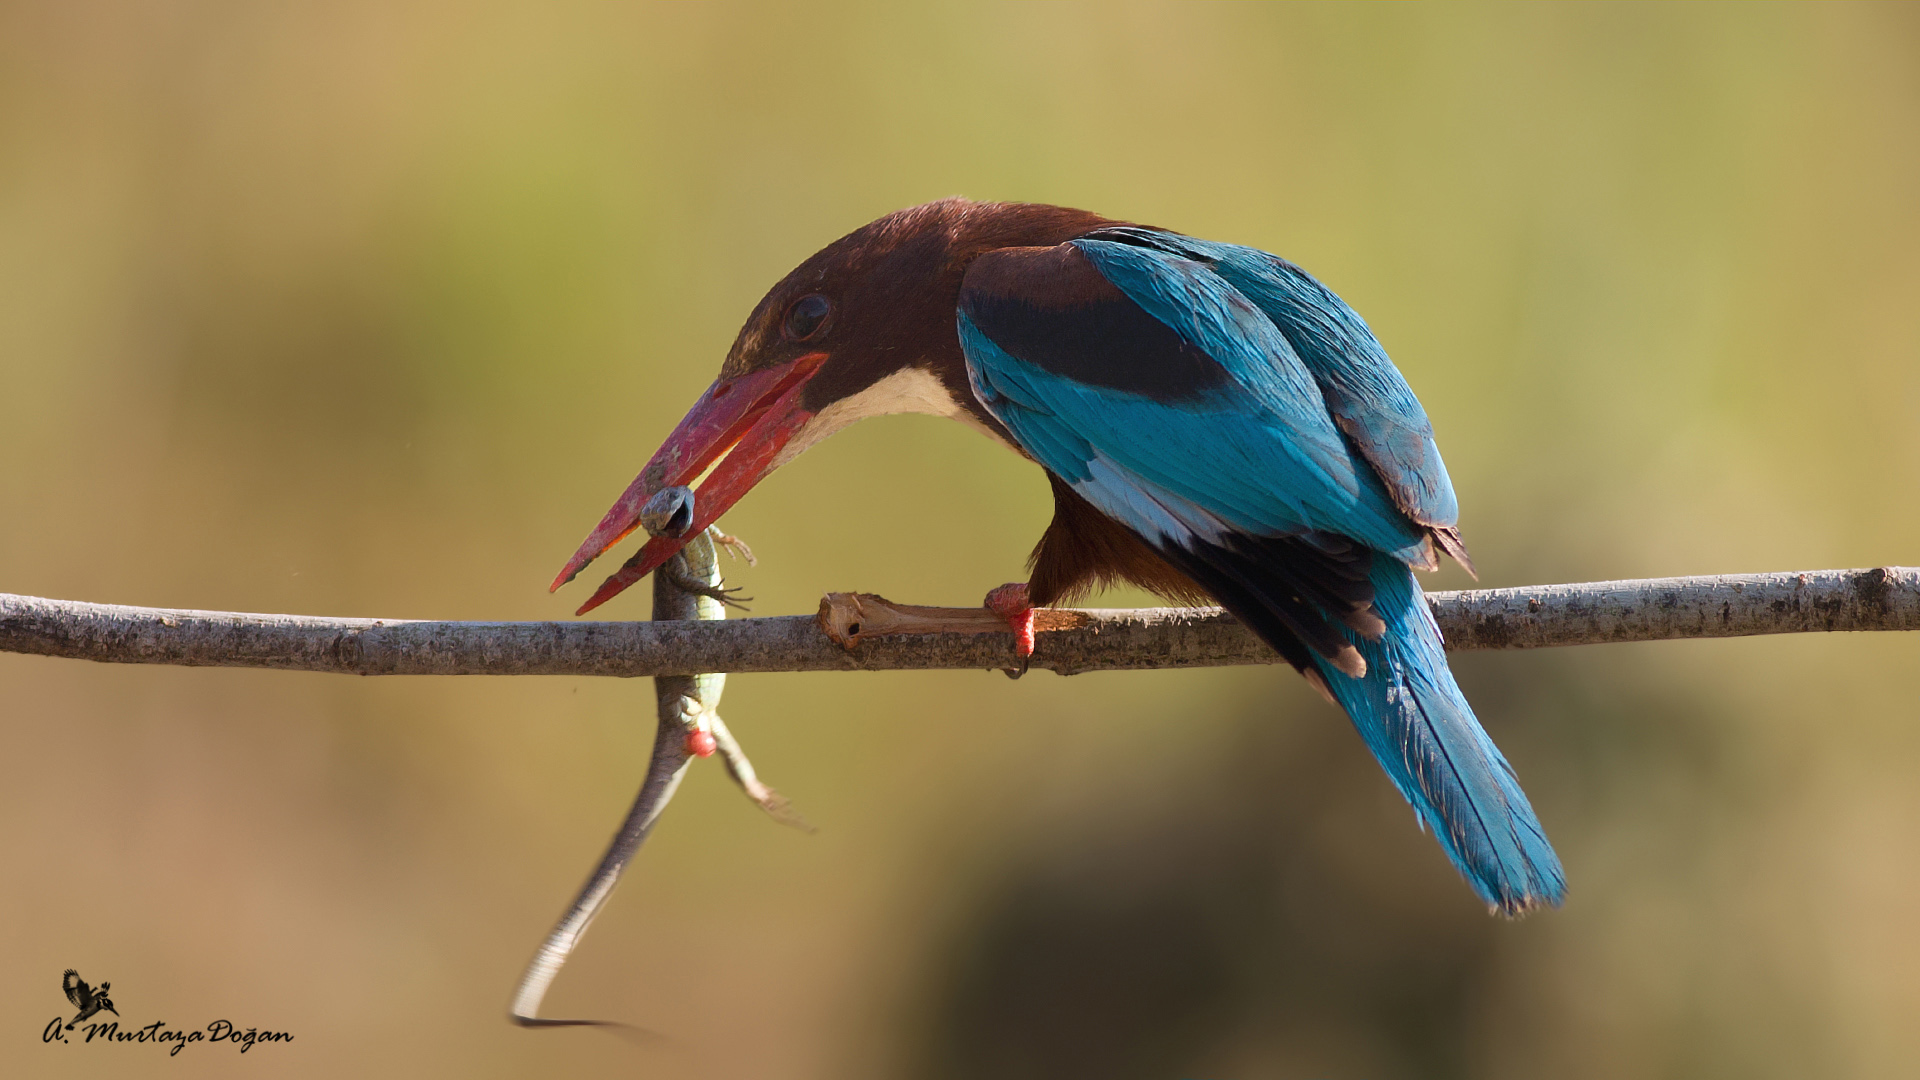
[(1365, 392), (1259, 449)]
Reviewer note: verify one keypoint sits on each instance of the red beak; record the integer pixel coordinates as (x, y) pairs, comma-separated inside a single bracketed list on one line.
[(753, 415)]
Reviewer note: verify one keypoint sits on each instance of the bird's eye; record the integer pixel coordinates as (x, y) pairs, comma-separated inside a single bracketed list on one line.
[(808, 316)]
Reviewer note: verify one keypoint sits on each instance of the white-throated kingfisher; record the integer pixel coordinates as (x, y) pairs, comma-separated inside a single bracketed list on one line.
[(1215, 423)]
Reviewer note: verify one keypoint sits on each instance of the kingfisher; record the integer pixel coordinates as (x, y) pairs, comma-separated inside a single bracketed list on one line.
[(1215, 424), (85, 998)]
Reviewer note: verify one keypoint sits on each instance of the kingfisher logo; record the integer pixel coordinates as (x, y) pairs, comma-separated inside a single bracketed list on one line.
[(84, 997), (93, 1028)]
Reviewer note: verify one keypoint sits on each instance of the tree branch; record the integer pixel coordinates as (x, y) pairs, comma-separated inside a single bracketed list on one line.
[(1735, 605)]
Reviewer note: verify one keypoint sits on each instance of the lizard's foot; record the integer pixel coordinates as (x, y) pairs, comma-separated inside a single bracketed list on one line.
[(736, 547), (686, 582), (742, 772)]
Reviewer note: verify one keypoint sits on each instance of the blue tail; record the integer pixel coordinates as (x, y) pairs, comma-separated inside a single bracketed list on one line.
[(1420, 727)]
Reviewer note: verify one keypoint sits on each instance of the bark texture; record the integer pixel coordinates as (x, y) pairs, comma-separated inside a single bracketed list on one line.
[(1732, 605)]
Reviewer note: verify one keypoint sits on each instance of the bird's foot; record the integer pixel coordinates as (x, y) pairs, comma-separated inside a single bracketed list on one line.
[(850, 618), (1011, 603)]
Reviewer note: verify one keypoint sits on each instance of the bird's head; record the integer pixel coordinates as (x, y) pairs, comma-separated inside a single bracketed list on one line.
[(865, 326)]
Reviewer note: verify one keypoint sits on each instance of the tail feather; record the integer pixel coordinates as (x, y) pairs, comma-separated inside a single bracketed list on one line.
[(1394, 684), (1419, 726)]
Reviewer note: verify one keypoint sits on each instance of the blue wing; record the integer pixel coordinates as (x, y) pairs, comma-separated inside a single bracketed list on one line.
[(1368, 397), (1166, 398), (1223, 418)]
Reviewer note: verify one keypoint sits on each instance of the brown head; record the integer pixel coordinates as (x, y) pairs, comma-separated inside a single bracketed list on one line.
[(864, 327)]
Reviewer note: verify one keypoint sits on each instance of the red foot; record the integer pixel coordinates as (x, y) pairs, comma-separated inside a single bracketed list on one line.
[(700, 743), (1010, 603)]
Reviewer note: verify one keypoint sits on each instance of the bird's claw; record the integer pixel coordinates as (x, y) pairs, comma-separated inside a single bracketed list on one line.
[(1012, 603)]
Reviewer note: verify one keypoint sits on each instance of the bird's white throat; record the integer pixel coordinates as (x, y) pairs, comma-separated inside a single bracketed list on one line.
[(909, 390)]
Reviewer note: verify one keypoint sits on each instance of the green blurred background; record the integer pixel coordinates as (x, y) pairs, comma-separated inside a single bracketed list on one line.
[(371, 308)]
